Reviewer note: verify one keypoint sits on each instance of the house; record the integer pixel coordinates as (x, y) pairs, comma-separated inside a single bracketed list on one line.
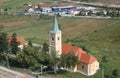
[(88, 63), (46, 9), (84, 12), (21, 40), (74, 11), (62, 9), (31, 11)]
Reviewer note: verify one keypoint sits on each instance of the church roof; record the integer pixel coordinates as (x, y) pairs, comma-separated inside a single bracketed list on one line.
[(21, 40), (82, 55), (55, 28)]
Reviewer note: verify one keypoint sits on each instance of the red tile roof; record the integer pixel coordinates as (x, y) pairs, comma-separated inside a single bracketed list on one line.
[(22, 77), (82, 56), (21, 40), (73, 9)]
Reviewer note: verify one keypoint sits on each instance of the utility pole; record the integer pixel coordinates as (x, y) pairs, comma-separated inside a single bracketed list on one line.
[(7, 61), (102, 70), (41, 69)]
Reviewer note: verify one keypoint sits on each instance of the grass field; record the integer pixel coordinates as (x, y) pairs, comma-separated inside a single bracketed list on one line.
[(99, 36), (14, 6), (19, 3), (30, 27)]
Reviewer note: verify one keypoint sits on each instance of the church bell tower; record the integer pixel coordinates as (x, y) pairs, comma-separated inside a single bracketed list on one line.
[(55, 38)]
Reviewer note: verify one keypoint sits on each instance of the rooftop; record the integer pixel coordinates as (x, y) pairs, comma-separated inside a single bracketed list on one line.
[(82, 55), (21, 40), (55, 27)]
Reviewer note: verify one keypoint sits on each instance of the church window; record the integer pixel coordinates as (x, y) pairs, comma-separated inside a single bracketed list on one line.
[(82, 66), (58, 38), (53, 39)]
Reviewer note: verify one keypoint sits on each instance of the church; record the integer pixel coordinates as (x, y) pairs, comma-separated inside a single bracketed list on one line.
[(88, 63)]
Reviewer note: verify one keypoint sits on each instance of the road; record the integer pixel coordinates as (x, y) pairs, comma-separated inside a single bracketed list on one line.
[(94, 4), (98, 17), (7, 73)]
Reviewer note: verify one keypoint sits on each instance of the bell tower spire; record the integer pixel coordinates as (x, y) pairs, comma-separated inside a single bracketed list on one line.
[(55, 38), (55, 27)]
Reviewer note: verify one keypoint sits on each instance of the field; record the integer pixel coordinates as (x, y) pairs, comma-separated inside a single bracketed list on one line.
[(100, 36), (34, 27), (116, 2), (14, 6), (18, 3)]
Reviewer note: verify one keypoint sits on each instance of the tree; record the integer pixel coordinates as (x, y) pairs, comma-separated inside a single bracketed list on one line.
[(30, 43), (104, 59), (63, 60), (45, 48), (71, 60), (85, 49), (67, 41), (3, 42), (26, 58), (29, 56), (1, 27), (14, 44), (54, 61), (115, 73), (90, 13)]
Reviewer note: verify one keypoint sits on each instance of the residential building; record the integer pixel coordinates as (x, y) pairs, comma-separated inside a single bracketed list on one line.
[(62, 9), (21, 40)]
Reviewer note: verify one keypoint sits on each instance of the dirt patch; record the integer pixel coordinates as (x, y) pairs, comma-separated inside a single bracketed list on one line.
[(116, 2), (3, 1), (15, 24)]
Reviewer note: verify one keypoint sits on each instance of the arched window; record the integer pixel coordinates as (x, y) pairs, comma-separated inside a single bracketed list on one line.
[(58, 38), (82, 66), (53, 39)]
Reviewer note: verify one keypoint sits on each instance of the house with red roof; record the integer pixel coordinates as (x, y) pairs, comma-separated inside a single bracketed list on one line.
[(21, 40), (88, 63)]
